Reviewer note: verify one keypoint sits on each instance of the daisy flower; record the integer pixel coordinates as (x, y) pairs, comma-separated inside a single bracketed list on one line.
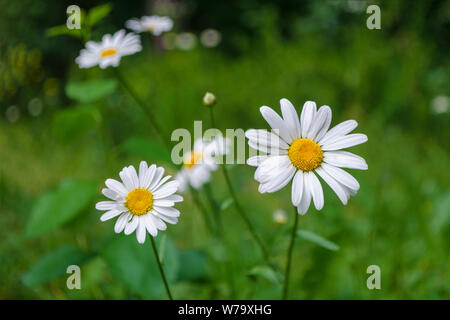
[(154, 24), (200, 161), (142, 202), (109, 51), (299, 150)]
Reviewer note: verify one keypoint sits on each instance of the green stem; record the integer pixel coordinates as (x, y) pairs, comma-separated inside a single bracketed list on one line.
[(201, 208), (161, 271), (215, 208), (140, 103), (238, 205), (289, 256)]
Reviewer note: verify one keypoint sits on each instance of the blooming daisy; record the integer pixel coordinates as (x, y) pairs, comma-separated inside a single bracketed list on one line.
[(297, 150), (142, 201), (109, 51), (154, 24), (200, 161)]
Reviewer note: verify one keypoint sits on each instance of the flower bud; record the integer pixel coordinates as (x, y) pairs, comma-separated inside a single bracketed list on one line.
[(209, 99)]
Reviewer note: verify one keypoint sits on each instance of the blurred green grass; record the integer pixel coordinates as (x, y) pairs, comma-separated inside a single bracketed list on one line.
[(399, 219)]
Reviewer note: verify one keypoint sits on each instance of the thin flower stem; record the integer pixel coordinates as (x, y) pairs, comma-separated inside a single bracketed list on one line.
[(201, 208), (238, 205), (215, 208), (161, 271), (289, 256), (140, 103)]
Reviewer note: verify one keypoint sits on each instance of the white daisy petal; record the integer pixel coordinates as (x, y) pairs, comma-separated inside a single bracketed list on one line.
[(163, 203), (347, 141), (140, 232), (110, 214), (157, 178), (174, 198), (143, 167), (339, 130), (345, 159), (149, 175), (105, 205), (278, 182), (160, 183), (256, 160), (131, 225), (316, 189), (167, 211), (126, 179), (305, 201), (134, 177), (290, 117), (121, 222), (307, 116), (276, 123), (297, 188), (110, 194), (334, 185), (166, 190), (266, 138), (117, 187), (341, 176), (321, 123)]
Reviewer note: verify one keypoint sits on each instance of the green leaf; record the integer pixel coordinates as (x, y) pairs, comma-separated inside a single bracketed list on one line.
[(73, 123), (63, 30), (224, 205), (53, 265), (319, 240), (96, 14), (267, 273), (58, 206), (134, 265), (147, 149), (194, 264), (92, 90)]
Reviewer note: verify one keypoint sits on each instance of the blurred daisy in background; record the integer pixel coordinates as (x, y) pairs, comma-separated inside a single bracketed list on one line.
[(109, 51), (440, 104), (200, 161), (186, 41), (154, 24), (296, 150), (210, 38), (142, 202), (279, 216)]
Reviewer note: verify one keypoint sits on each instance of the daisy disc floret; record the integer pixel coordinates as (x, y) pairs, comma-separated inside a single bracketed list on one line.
[(298, 150), (109, 51), (143, 202), (154, 24)]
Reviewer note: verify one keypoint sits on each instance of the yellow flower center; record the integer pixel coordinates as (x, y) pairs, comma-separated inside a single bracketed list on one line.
[(151, 27), (139, 201), (192, 159), (305, 154), (108, 53)]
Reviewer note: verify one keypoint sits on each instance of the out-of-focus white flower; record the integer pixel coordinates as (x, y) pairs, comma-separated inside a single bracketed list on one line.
[(200, 161), (297, 150), (440, 104), (279, 216), (142, 202), (209, 99), (109, 51), (186, 41), (210, 38), (154, 24)]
